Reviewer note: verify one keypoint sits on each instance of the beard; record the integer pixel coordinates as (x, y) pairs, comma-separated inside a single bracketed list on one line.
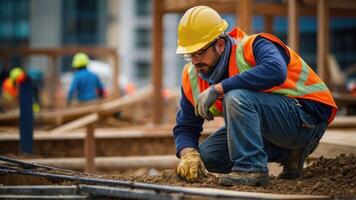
[(206, 69)]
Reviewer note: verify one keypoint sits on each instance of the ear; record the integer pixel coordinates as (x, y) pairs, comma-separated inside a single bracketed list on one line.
[(220, 45)]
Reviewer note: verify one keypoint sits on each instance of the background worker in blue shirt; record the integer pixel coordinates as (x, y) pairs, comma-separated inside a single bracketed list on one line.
[(86, 86)]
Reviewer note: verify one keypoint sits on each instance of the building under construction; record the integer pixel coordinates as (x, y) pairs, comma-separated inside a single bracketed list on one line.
[(122, 145)]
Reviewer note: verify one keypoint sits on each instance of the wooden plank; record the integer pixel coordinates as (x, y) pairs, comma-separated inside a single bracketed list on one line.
[(118, 162), (53, 82), (157, 62), (335, 142), (245, 14), (262, 8), (339, 123), (340, 4), (344, 99), (60, 51), (115, 80), (337, 78), (268, 19), (81, 122), (322, 46), (293, 24), (103, 108), (343, 122), (140, 95), (89, 149)]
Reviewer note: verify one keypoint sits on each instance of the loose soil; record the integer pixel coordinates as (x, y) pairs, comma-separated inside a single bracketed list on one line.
[(333, 177)]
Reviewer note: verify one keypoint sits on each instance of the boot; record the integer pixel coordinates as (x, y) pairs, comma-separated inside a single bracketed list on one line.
[(244, 178), (293, 168)]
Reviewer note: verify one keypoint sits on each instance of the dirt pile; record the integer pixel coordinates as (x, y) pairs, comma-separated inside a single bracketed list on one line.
[(333, 177)]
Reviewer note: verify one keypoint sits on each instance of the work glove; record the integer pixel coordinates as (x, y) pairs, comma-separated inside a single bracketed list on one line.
[(191, 167), (205, 100)]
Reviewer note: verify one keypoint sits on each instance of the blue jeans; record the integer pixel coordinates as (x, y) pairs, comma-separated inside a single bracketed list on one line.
[(259, 128)]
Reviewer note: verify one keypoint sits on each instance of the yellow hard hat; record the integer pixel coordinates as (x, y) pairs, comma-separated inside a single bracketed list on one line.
[(80, 60), (198, 27), (15, 72), (17, 75)]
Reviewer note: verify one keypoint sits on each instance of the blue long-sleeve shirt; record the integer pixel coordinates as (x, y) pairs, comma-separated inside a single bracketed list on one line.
[(86, 86), (270, 70)]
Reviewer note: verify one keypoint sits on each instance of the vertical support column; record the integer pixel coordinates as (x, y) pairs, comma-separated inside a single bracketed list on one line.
[(115, 83), (293, 24), (268, 19), (157, 63), (323, 40), (89, 148), (26, 117), (244, 9), (54, 77)]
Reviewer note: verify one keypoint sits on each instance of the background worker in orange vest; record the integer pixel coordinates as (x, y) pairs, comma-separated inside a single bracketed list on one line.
[(275, 107), (19, 86)]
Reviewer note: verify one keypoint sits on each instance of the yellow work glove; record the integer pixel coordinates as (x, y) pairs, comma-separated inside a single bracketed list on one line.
[(191, 167), (36, 107)]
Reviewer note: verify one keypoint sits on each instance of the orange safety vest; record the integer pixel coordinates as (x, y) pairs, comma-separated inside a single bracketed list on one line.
[(301, 82), (9, 90)]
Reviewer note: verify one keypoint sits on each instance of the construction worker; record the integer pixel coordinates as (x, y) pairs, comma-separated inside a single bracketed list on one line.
[(20, 86), (86, 86), (275, 107), (10, 87)]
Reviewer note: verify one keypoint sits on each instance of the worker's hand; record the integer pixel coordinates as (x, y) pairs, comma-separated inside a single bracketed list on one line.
[(205, 100), (191, 167)]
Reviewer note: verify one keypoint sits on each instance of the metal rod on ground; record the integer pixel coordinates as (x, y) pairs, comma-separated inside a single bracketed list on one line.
[(33, 165), (161, 188)]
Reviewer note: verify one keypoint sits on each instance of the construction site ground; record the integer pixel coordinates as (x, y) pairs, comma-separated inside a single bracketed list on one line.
[(145, 154), (331, 177)]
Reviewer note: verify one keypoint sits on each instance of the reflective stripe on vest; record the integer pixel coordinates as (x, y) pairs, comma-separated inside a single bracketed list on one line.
[(300, 89), (196, 89)]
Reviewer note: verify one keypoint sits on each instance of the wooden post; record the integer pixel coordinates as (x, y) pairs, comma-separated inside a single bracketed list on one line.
[(244, 9), (293, 24), (89, 149), (53, 81), (268, 24), (116, 70), (322, 41), (157, 64)]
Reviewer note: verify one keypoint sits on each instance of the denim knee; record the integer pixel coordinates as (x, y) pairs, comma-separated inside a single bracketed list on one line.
[(214, 163), (234, 100), (236, 96)]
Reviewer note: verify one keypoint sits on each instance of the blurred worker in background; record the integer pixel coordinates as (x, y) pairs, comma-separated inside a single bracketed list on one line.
[(19, 86), (275, 107), (86, 86), (18, 77), (4, 74)]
